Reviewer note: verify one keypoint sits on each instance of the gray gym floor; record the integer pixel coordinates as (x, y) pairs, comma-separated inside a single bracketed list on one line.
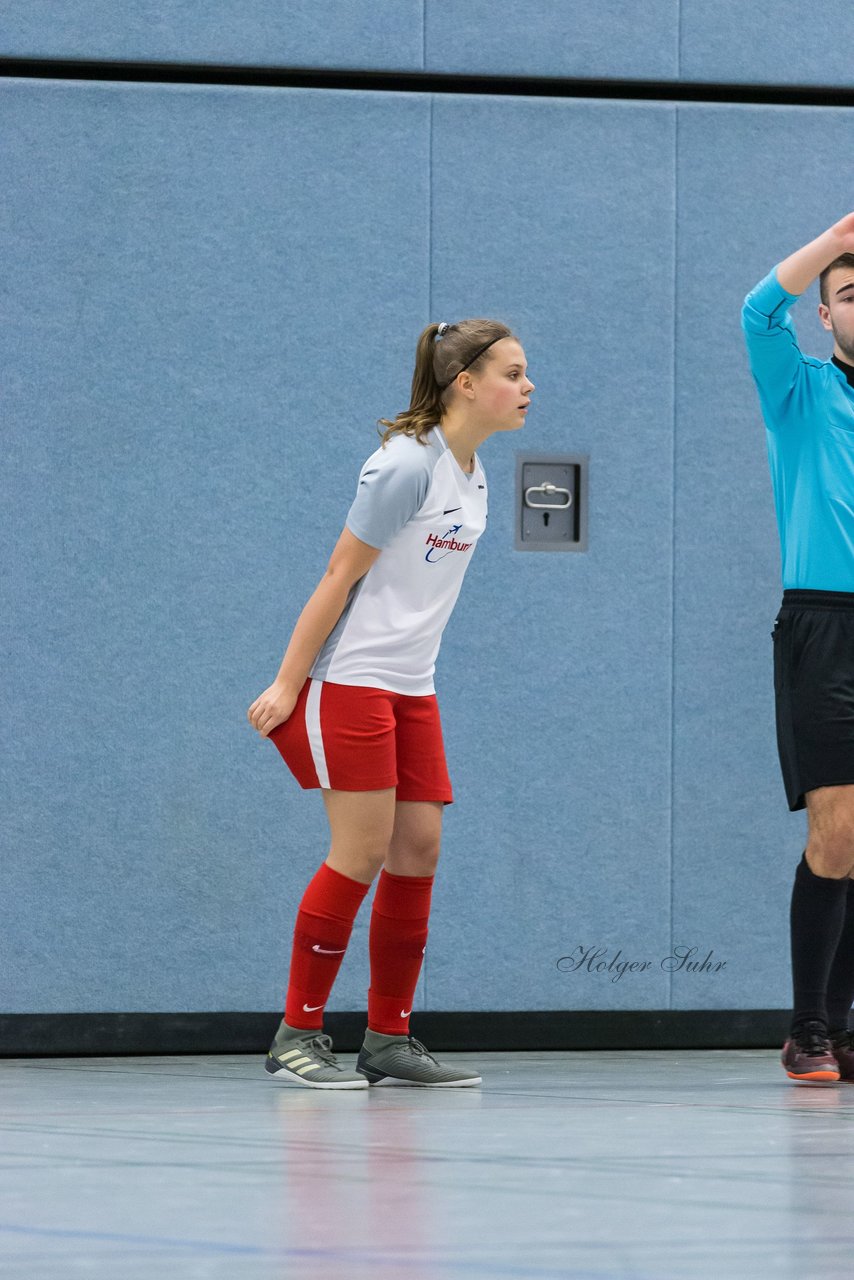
[(649, 1165)]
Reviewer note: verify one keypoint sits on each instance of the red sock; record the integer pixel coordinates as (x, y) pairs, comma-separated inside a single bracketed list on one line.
[(397, 941), (324, 924)]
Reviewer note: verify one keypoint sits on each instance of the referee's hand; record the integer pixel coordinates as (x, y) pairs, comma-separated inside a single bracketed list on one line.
[(272, 708), (844, 232)]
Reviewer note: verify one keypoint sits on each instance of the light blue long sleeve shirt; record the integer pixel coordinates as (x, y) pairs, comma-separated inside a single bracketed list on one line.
[(808, 408)]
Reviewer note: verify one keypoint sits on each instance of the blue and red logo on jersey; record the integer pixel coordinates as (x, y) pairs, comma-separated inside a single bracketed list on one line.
[(441, 547)]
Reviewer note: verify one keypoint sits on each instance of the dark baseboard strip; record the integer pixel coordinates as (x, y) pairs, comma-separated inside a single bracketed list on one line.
[(425, 82), (26, 1035)]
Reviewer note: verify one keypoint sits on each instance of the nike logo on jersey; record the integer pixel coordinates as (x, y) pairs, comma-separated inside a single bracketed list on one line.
[(450, 509), (404, 1013), (322, 951), (312, 1008)]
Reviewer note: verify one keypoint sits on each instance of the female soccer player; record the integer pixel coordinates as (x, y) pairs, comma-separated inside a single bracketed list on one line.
[(353, 709)]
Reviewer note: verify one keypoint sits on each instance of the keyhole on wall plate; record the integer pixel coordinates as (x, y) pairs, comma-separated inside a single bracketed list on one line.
[(545, 517)]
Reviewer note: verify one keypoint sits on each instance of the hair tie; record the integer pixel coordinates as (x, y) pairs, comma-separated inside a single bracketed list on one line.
[(443, 329)]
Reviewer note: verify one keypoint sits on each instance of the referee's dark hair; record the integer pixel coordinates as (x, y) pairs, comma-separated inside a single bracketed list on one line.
[(844, 260), (437, 364)]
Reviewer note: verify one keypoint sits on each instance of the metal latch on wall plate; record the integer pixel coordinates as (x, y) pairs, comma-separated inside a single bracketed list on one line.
[(548, 489), (551, 502)]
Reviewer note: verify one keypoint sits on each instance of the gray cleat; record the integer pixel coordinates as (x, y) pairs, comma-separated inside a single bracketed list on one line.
[(404, 1060), (306, 1057)]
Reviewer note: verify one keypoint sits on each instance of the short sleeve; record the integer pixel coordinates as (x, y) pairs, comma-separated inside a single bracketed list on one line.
[(392, 486)]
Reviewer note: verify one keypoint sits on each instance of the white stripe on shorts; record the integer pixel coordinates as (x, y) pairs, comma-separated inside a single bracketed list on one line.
[(315, 736)]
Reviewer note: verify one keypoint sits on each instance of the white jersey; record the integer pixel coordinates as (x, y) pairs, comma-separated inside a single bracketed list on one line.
[(416, 503)]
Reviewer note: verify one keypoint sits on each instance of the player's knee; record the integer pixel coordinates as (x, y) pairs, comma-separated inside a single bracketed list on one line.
[(418, 857), (831, 854), (428, 858), (357, 861)]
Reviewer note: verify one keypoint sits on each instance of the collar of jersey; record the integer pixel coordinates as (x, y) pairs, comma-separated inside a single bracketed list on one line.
[(469, 475), (845, 371)]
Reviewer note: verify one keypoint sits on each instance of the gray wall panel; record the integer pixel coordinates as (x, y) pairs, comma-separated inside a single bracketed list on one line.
[(194, 278), (766, 42), (379, 34), (554, 38), (555, 672), (212, 295), (735, 842), (182, 321)]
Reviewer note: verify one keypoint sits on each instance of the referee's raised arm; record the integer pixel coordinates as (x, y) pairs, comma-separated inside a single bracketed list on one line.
[(775, 358), (796, 273)]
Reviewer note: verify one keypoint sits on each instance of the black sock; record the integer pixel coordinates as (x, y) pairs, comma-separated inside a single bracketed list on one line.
[(840, 983), (816, 918)]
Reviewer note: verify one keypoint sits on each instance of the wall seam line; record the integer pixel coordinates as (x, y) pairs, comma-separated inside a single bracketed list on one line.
[(673, 536), (283, 77), (678, 39)]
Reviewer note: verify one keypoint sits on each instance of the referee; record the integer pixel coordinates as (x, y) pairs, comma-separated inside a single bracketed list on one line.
[(808, 407)]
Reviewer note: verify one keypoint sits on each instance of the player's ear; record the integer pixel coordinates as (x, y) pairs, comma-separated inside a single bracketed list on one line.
[(465, 382), (824, 316)]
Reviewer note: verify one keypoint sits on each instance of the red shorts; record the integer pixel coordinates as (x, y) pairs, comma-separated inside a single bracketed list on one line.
[(351, 738)]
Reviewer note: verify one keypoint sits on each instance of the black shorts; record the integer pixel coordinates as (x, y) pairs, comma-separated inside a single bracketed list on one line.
[(814, 690)]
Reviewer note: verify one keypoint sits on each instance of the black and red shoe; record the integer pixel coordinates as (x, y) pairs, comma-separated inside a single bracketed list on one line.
[(808, 1056), (842, 1047)]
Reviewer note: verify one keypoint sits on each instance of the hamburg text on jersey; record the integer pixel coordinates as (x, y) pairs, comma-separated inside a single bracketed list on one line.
[(426, 514)]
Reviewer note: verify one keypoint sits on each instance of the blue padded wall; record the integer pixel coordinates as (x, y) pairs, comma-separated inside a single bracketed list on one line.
[(558, 711), (189, 309), (767, 41), (727, 41), (554, 38), (212, 295), (790, 42), (735, 843), (380, 34)]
